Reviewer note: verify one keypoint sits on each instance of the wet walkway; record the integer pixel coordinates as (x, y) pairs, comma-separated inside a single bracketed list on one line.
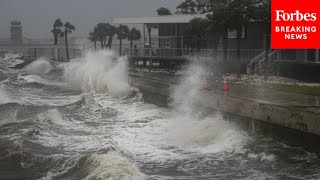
[(259, 94), (271, 96)]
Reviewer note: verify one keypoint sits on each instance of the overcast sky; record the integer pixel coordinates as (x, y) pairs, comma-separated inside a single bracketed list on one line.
[(37, 16)]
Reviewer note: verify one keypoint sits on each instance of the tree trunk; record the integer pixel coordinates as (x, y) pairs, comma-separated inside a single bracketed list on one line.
[(150, 51), (110, 41), (131, 45), (95, 45), (67, 50), (215, 46), (120, 46), (239, 32), (225, 45), (149, 34), (55, 49), (199, 44), (105, 42), (101, 43)]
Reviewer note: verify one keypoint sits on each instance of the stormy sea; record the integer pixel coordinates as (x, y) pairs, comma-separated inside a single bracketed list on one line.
[(82, 120)]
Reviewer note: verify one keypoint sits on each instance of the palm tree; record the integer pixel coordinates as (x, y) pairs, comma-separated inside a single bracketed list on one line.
[(122, 32), (93, 37), (105, 31), (133, 35), (111, 31), (57, 32), (101, 31), (149, 28), (68, 28), (163, 11)]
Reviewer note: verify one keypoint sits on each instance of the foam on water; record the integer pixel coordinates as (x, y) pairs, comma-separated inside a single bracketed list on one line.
[(208, 135), (10, 60), (153, 134), (99, 71), (96, 166), (4, 98), (111, 166), (38, 67), (182, 142), (262, 156), (38, 79), (52, 116), (191, 129)]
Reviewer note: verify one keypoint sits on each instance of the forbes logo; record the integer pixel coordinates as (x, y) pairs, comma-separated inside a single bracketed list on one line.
[(281, 15)]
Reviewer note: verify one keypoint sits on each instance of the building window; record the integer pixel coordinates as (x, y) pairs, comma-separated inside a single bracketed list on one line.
[(173, 30), (164, 43), (163, 30), (179, 32), (168, 30), (161, 26), (232, 33)]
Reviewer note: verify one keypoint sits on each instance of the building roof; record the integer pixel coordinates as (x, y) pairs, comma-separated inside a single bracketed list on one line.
[(158, 19)]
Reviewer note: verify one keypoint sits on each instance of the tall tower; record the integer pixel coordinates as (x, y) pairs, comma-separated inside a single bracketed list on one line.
[(16, 32)]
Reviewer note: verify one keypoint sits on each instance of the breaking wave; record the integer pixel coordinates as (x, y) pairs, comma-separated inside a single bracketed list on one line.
[(111, 166), (38, 67), (97, 72), (11, 60), (4, 98), (100, 166), (196, 128), (50, 131)]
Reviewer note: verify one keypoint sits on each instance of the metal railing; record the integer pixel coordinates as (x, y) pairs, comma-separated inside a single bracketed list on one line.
[(254, 61), (269, 65), (246, 54), (50, 53), (47, 52)]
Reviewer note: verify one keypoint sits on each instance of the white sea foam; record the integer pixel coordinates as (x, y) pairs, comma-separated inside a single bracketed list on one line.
[(189, 129), (209, 135), (40, 80), (111, 166), (52, 116), (162, 135), (8, 57), (38, 67), (32, 79), (99, 71), (10, 60), (4, 98), (262, 156)]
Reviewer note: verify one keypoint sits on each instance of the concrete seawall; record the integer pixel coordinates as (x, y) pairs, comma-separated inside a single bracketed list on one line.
[(302, 118)]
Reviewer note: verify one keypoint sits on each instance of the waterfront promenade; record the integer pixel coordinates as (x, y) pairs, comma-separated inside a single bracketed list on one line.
[(297, 112), (256, 93)]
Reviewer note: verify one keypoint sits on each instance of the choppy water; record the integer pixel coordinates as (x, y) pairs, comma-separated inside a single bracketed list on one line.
[(81, 120)]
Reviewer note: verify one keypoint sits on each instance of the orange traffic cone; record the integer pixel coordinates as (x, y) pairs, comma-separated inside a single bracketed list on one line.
[(205, 85), (225, 85)]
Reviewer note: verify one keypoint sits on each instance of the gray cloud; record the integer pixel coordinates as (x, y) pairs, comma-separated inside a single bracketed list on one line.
[(37, 16)]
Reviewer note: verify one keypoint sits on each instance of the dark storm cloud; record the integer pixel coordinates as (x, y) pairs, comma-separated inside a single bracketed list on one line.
[(37, 16)]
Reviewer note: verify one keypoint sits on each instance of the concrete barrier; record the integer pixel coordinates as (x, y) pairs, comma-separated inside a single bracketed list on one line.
[(301, 118)]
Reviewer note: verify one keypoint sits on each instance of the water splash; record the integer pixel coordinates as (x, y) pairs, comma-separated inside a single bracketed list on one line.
[(99, 71), (195, 128), (111, 166), (4, 98), (39, 67)]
